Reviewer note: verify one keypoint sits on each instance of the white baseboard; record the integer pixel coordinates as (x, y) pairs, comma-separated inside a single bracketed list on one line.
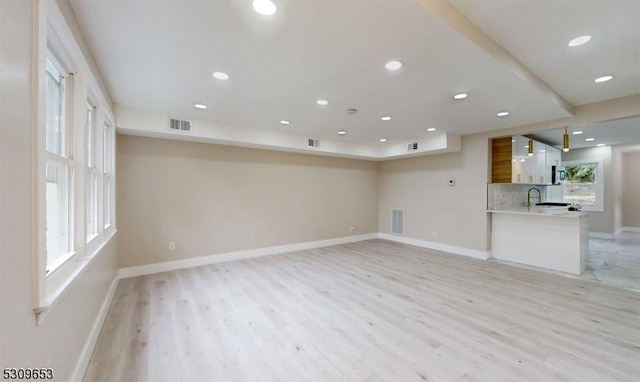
[(222, 257), (601, 235), (609, 236), (618, 232), (247, 254), (483, 255), (87, 351)]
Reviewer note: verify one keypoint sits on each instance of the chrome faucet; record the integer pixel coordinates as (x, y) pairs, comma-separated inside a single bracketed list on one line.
[(529, 196)]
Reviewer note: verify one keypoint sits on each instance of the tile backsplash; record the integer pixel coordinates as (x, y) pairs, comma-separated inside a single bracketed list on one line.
[(503, 196)]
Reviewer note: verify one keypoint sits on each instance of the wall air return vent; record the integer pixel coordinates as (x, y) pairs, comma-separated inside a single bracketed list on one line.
[(314, 143), (180, 125), (397, 222), (412, 146)]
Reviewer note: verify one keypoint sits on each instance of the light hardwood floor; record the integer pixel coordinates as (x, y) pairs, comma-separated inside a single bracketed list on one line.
[(367, 311)]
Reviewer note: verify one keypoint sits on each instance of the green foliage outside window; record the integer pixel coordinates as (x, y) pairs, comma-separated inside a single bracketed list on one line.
[(581, 173)]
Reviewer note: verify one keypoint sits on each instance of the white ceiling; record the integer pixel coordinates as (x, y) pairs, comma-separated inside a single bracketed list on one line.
[(160, 54), (610, 133), (536, 32)]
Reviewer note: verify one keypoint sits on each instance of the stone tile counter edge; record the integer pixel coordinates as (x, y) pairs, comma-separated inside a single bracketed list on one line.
[(543, 211)]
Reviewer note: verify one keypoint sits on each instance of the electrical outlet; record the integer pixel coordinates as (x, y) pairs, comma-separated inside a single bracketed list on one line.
[(353, 229), (452, 182), (172, 245)]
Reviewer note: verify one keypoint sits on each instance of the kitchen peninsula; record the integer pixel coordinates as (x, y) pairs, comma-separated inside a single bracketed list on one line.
[(523, 174), (551, 238)]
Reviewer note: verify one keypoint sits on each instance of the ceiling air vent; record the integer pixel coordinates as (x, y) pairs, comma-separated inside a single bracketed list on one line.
[(412, 146), (397, 222), (180, 125), (314, 143)]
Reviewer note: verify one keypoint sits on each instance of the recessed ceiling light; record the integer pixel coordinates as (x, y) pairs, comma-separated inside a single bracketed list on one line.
[(200, 106), (383, 139), (579, 41), (522, 160), (264, 7), (589, 139), (393, 65), (385, 118), (285, 122), (460, 96), (600, 144), (431, 129), (502, 113), (220, 75), (578, 132), (342, 132), (322, 102), (604, 78)]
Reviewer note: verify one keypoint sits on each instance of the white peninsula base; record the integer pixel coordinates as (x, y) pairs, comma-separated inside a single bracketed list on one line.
[(554, 241)]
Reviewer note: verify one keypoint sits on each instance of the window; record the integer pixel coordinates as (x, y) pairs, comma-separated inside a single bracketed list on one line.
[(75, 182), (107, 174), (584, 184), (59, 169), (91, 180)]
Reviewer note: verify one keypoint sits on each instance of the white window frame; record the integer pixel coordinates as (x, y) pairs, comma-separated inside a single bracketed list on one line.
[(91, 175), (599, 162), (65, 159), (108, 170), (53, 38)]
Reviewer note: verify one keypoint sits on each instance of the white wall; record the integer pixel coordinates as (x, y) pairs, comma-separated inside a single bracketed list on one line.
[(621, 187), (212, 199), (61, 336), (456, 214), (617, 189), (631, 189), (599, 222)]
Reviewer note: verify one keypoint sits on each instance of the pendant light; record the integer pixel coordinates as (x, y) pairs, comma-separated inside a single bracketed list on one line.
[(565, 145), (530, 147)]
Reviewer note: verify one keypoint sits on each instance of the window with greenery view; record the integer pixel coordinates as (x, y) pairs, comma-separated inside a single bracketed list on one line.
[(582, 184)]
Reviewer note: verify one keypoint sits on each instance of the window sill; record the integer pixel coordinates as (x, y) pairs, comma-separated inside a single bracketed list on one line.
[(59, 262), (58, 284), (92, 238)]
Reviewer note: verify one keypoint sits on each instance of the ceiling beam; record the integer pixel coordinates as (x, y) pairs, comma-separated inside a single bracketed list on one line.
[(461, 23)]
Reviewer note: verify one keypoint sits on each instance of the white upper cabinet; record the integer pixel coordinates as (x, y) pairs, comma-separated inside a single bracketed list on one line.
[(535, 169), (553, 158)]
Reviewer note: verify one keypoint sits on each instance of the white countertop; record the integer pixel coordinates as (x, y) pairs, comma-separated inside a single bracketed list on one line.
[(543, 211)]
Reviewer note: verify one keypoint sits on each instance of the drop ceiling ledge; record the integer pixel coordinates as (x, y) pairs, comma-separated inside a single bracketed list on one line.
[(146, 123)]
